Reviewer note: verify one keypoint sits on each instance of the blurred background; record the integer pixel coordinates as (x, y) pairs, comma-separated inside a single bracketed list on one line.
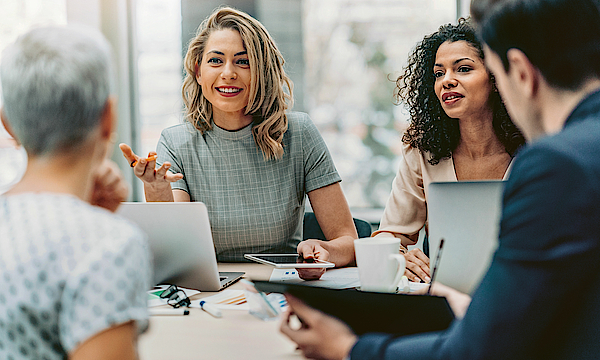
[(342, 55)]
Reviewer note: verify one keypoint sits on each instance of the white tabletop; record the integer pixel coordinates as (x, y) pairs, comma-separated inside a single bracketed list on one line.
[(237, 335)]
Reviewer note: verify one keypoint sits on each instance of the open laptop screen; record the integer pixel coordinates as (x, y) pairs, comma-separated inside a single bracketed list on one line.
[(466, 215), (180, 240)]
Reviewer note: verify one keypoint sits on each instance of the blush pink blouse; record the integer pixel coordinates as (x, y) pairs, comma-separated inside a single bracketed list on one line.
[(406, 208)]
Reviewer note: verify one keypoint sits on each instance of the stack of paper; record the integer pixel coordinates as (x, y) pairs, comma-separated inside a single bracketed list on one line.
[(343, 278), (226, 299)]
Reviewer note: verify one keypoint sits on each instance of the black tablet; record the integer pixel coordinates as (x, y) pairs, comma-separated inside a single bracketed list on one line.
[(399, 314)]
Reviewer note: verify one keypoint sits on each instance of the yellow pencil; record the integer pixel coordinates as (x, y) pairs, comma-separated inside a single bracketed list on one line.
[(148, 159)]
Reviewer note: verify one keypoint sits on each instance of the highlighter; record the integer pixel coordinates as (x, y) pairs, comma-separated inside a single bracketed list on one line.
[(211, 309)]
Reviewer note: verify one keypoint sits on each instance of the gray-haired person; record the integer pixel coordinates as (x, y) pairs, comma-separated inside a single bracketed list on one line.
[(74, 276)]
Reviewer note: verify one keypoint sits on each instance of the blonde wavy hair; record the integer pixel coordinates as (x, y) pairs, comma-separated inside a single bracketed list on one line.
[(267, 101)]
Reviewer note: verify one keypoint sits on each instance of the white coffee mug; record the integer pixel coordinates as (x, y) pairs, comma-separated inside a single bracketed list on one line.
[(380, 264)]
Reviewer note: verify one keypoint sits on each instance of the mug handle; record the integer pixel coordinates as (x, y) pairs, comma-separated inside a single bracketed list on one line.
[(401, 267)]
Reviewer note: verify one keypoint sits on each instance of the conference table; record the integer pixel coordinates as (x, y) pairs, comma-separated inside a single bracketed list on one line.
[(237, 335)]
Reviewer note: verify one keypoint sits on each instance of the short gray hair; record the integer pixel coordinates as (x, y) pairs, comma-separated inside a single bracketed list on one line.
[(55, 85)]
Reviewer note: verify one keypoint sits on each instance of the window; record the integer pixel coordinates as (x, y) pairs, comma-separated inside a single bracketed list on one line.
[(351, 51), (159, 68), (344, 60), (354, 50), (17, 17)]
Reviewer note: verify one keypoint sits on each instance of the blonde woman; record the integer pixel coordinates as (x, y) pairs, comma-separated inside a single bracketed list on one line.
[(239, 151)]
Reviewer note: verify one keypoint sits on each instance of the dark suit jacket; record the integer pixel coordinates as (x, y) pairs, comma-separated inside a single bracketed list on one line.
[(540, 298)]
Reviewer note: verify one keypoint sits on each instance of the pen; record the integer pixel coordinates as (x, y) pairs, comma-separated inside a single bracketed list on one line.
[(435, 266), (179, 311), (211, 309)]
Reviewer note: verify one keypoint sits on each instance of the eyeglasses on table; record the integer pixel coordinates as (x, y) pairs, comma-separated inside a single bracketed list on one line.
[(175, 296)]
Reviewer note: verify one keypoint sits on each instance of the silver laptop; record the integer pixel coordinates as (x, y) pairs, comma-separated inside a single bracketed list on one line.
[(181, 243), (466, 215)]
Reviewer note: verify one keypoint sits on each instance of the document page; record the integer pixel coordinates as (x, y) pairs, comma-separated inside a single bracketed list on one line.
[(343, 278)]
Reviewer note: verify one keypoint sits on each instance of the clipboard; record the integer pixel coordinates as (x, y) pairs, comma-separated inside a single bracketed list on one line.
[(364, 312)]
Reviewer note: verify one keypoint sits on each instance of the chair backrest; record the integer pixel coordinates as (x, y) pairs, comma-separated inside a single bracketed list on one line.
[(312, 229)]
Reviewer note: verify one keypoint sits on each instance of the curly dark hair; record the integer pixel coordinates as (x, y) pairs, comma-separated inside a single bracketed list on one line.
[(430, 129)]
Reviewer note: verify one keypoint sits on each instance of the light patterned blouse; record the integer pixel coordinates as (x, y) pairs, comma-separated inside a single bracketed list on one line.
[(68, 271)]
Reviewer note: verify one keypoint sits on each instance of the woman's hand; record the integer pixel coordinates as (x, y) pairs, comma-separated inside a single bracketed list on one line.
[(312, 249), (320, 336), (145, 170), (110, 188), (417, 266)]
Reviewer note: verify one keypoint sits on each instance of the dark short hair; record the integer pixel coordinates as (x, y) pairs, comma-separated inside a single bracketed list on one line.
[(560, 37)]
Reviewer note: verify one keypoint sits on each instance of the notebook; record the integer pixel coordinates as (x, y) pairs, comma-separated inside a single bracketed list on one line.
[(181, 243), (466, 215), (364, 312)]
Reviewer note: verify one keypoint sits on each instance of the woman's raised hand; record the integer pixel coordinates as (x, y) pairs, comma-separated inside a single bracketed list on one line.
[(145, 168)]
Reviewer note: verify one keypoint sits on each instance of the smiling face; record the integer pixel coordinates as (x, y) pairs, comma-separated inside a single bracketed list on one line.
[(462, 83), (224, 74)]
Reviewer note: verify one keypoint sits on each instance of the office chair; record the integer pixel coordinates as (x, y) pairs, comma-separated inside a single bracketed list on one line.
[(312, 230)]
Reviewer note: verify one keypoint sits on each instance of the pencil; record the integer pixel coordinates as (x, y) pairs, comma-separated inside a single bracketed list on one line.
[(148, 159)]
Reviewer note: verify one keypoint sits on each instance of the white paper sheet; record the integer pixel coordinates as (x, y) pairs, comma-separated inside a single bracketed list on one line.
[(414, 286), (226, 299), (343, 278)]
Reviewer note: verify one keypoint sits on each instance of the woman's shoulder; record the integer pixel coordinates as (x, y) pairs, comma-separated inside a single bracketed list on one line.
[(411, 154), (179, 134), (181, 129), (298, 119), (63, 212), (302, 129), (300, 124)]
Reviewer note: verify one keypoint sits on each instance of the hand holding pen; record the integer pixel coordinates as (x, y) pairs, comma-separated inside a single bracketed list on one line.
[(145, 168)]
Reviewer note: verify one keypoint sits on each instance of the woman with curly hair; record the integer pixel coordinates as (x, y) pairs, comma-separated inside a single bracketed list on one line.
[(459, 130), (239, 151)]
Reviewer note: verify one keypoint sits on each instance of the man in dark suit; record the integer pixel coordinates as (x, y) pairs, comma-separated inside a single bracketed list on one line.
[(540, 298)]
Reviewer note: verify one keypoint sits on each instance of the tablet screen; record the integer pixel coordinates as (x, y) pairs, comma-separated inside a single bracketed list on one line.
[(288, 261)]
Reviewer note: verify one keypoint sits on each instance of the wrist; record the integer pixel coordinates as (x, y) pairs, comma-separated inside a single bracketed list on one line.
[(160, 192), (349, 346), (157, 187)]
